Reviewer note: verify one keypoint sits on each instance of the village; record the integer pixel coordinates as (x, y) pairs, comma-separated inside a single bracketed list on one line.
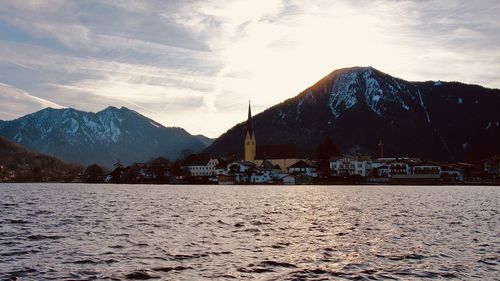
[(282, 167), (342, 169), (282, 164)]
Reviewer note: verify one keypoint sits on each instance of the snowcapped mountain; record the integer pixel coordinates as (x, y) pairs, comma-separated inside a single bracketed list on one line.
[(360, 106), (102, 137)]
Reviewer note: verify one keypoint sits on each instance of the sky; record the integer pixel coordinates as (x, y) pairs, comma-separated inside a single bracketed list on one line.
[(196, 64)]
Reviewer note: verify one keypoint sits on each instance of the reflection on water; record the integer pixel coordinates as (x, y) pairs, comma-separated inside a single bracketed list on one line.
[(83, 232)]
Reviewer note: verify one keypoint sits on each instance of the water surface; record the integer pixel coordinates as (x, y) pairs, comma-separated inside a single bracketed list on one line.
[(117, 232)]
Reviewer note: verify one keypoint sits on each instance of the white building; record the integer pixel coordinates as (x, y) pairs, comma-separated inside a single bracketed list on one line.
[(427, 170), (350, 165), (303, 168), (382, 167), (238, 172), (261, 177), (399, 168), (201, 165), (239, 166)]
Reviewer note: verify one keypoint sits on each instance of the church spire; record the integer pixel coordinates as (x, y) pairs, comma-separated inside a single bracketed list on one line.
[(249, 121)]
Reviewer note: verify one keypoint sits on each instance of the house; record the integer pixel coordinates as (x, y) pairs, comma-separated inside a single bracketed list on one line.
[(241, 172), (452, 174), (239, 167), (380, 171), (118, 175), (426, 170), (379, 168), (350, 165), (414, 169), (400, 168), (303, 168), (288, 180), (491, 166), (140, 171), (237, 172), (389, 167), (221, 167), (260, 176), (273, 170), (201, 165)]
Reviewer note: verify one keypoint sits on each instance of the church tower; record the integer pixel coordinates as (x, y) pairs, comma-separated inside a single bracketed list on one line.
[(250, 144)]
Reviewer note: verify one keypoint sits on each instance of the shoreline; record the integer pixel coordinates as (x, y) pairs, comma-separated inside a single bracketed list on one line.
[(394, 183)]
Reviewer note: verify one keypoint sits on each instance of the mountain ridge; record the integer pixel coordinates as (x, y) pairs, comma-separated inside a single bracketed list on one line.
[(103, 137), (358, 106)]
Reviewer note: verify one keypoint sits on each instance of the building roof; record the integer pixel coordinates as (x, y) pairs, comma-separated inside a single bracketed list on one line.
[(426, 163), (301, 164), (355, 157), (247, 163), (276, 151), (392, 159), (222, 164), (242, 162), (197, 159), (266, 164), (408, 161), (448, 168)]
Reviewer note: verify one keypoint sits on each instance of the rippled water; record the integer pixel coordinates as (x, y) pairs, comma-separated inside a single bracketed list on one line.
[(86, 232)]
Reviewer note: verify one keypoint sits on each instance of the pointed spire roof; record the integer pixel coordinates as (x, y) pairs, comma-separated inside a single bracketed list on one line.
[(249, 120)]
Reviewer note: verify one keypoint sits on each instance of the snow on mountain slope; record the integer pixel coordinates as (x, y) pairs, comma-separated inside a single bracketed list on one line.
[(359, 106), (372, 87), (102, 137)]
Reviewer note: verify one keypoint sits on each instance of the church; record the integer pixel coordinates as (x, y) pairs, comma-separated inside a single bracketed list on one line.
[(279, 155), (250, 143)]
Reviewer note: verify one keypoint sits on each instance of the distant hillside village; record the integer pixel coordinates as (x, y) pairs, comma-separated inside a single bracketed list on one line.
[(281, 164)]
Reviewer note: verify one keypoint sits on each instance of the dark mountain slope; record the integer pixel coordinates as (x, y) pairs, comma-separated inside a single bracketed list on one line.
[(359, 106), (31, 166)]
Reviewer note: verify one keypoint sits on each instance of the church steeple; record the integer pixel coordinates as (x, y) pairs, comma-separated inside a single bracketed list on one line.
[(249, 121), (250, 144)]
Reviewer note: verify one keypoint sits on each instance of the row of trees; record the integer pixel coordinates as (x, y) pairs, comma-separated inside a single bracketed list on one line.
[(158, 170)]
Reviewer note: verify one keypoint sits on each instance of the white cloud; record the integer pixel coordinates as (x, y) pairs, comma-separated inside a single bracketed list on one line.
[(195, 64), (16, 102)]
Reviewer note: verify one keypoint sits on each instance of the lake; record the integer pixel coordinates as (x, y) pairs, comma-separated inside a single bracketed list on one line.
[(116, 232)]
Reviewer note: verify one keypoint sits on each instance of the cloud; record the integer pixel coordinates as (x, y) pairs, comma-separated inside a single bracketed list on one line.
[(16, 102), (193, 63)]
